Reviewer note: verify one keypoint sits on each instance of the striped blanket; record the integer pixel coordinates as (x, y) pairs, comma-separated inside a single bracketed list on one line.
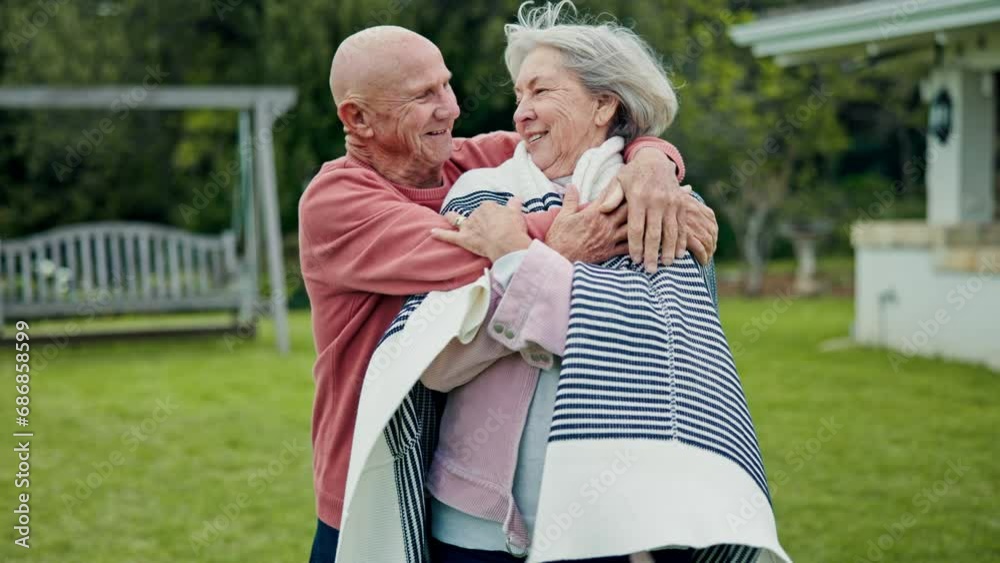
[(651, 444)]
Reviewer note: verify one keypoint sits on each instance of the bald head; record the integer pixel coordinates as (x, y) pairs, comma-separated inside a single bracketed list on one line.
[(393, 95), (373, 60)]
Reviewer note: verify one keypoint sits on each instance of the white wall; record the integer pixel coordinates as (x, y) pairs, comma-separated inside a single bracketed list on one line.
[(936, 313)]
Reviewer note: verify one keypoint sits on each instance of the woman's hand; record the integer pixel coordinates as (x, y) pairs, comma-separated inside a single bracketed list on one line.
[(491, 231), (588, 234)]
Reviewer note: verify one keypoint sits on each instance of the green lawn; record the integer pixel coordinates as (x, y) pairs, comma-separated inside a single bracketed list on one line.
[(840, 265), (836, 270), (229, 444)]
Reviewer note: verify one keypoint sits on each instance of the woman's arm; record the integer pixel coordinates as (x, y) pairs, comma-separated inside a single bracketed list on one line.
[(459, 363), (529, 312), (533, 315)]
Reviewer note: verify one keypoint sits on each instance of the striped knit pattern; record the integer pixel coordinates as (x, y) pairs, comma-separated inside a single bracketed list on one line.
[(412, 436), (646, 358)]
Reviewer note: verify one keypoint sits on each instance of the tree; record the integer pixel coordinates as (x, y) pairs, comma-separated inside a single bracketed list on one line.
[(761, 130), (154, 163)]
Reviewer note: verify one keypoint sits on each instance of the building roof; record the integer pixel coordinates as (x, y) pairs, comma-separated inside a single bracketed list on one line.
[(805, 34)]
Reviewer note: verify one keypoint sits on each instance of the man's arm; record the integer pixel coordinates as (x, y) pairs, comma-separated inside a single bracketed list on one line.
[(358, 234), (650, 182), (490, 150), (656, 144)]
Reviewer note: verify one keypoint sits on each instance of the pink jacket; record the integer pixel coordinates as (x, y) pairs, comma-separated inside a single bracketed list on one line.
[(473, 467)]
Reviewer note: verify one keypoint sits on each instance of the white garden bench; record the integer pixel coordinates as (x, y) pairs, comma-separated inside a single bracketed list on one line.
[(112, 268), (168, 288)]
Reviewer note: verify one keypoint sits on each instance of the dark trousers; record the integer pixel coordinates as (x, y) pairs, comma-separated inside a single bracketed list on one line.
[(447, 553), (324, 548)]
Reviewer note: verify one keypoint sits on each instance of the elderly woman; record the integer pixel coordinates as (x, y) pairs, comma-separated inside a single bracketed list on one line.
[(617, 382)]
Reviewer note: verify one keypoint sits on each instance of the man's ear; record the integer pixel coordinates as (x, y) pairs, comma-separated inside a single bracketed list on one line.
[(356, 119), (607, 106)]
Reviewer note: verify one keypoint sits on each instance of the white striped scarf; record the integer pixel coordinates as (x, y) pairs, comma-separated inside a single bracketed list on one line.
[(650, 423)]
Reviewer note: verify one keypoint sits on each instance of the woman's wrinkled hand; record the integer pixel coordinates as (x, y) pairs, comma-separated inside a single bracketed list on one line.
[(587, 234), (491, 231)]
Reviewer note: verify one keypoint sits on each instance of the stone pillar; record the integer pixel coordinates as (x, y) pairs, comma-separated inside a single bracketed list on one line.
[(805, 269), (960, 171)]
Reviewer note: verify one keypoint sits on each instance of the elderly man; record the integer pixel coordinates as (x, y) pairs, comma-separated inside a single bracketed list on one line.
[(366, 220)]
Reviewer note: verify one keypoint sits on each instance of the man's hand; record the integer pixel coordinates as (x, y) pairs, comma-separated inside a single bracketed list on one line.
[(588, 234), (491, 231), (659, 212), (701, 227)]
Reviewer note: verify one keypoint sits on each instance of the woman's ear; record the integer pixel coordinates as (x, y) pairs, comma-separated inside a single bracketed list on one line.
[(607, 106), (356, 119)]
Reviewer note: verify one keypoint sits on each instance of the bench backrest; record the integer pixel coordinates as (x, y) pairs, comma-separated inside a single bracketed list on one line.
[(117, 267)]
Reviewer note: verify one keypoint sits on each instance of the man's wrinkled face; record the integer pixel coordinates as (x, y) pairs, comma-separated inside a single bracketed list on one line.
[(416, 108)]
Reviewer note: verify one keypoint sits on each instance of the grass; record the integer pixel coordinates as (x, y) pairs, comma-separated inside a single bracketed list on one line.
[(125, 323), (235, 407), (839, 266)]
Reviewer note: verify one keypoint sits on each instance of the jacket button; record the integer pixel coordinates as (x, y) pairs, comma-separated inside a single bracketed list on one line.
[(509, 333), (498, 328)]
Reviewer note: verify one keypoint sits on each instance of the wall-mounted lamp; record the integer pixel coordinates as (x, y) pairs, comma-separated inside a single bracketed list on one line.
[(940, 117)]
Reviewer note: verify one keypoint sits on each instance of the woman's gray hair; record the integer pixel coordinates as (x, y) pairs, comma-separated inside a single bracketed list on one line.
[(608, 58)]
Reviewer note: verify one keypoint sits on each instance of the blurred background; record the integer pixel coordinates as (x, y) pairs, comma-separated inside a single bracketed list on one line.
[(153, 155)]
